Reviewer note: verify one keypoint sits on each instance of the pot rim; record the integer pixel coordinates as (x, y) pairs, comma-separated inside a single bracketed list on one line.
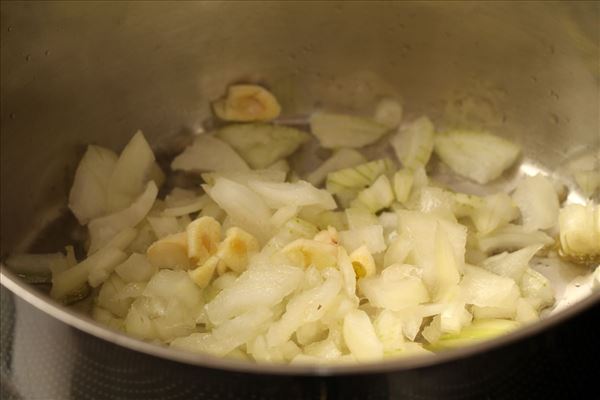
[(86, 324)]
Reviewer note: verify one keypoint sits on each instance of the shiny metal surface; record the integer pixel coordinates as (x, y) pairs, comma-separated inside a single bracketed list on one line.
[(80, 73)]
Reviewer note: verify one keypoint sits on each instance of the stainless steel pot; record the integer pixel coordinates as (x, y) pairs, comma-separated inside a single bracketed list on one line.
[(94, 72)]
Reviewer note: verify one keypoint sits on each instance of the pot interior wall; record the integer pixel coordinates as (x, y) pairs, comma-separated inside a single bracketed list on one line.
[(80, 73)]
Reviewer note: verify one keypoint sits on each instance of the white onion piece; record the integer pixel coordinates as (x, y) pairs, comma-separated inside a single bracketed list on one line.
[(299, 194), (479, 156), (131, 172), (259, 287), (413, 143), (396, 288), (103, 229), (360, 337), (580, 232), (536, 198), (246, 208), (389, 113), (340, 159), (88, 195), (209, 153), (336, 130)]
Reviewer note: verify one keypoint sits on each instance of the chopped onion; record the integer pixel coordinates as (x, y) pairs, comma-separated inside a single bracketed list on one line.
[(294, 228), (208, 153), (403, 181), (360, 337), (359, 218), (282, 215), (389, 113), (301, 193), (588, 181), (116, 295), (454, 317), (305, 307), (280, 165), (485, 289), (341, 159), (103, 229), (88, 195), (238, 331), (377, 196), (511, 237), (536, 198), (397, 251), (346, 183), (135, 269), (479, 156), (447, 266), (526, 313), (494, 212), (325, 350), (168, 308), (72, 281), (396, 288), (474, 333), (413, 144), (297, 279), (586, 172), (360, 176), (101, 270), (370, 236), (187, 207), (131, 173), (262, 144), (178, 196), (511, 265), (107, 318), (258, 287), (421, 228), (323, 219), (243, 177), (245, 207), (435, 201), (164, 226), (388, 327), (157, 175), (337, 130), (537, 288), (347, 271), (580, 232)]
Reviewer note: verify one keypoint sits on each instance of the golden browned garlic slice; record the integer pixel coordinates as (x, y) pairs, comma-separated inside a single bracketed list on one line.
[(203, 274), (247, 103), (170, 251), (237, 248), (203, 237)]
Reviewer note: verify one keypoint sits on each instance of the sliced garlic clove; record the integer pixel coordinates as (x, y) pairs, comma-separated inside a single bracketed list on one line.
[(203, 237), (247, 103), (237, 248), (203, 274), (169, 252)]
